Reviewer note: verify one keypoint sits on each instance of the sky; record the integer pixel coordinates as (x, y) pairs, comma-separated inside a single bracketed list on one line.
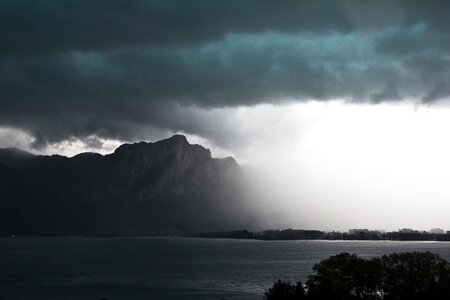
[(341, 107)]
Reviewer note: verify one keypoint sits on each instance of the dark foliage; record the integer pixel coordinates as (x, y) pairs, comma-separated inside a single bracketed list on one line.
[(403, 276), (285, 290), (415, 275), (345, 276)]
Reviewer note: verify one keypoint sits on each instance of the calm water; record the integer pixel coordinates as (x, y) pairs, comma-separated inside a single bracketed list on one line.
[(166, 268)]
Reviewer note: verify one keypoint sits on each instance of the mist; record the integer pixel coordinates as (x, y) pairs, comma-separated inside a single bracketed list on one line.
[(335, 166), (322, 165)]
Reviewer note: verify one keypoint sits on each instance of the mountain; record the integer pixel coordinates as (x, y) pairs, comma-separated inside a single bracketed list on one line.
[(13, 157), (141, 188)]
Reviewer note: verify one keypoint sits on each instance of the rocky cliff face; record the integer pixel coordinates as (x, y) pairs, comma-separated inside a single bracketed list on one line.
[(139, 189)]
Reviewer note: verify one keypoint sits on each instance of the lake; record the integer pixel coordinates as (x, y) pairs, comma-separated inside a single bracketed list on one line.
[(167, 268)]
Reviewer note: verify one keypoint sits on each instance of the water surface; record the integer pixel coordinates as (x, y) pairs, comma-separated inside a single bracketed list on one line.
[(167, 268)]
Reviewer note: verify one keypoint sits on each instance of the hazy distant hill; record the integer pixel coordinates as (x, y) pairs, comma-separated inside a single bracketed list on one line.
[(140, 188)]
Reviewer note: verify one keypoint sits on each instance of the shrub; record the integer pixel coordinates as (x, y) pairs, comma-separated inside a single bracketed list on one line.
[(403, 276), (415, 275), (285, 290), (345, 276)]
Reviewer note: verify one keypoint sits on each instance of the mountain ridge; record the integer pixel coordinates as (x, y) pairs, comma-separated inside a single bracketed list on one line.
[(140, 188)]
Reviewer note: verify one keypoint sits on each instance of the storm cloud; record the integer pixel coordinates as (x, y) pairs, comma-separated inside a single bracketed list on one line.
[(130, 70)]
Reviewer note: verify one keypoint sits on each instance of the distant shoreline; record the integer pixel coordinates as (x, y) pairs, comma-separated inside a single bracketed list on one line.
[(351, 235), (272, 235)]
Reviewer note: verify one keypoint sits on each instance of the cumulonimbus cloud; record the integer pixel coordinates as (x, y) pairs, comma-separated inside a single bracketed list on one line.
[(115, 68)]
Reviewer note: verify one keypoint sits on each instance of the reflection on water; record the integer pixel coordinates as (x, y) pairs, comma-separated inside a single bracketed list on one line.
[(167, 268)]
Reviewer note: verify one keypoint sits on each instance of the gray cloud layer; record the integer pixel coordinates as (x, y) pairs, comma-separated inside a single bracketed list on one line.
[(117, 68)]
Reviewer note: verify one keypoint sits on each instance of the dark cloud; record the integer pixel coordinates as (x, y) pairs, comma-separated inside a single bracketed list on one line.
[(121, 69), (414, 40)]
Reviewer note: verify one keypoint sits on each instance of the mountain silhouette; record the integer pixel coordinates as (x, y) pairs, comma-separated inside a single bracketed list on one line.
[(141, 188)]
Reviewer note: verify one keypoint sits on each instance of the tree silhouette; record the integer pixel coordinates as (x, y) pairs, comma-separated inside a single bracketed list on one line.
[(345, 276), (415, 275), (403, 276), (285, 290)]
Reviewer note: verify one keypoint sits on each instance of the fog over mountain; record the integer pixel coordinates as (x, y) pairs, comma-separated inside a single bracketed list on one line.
[(141, 188)]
